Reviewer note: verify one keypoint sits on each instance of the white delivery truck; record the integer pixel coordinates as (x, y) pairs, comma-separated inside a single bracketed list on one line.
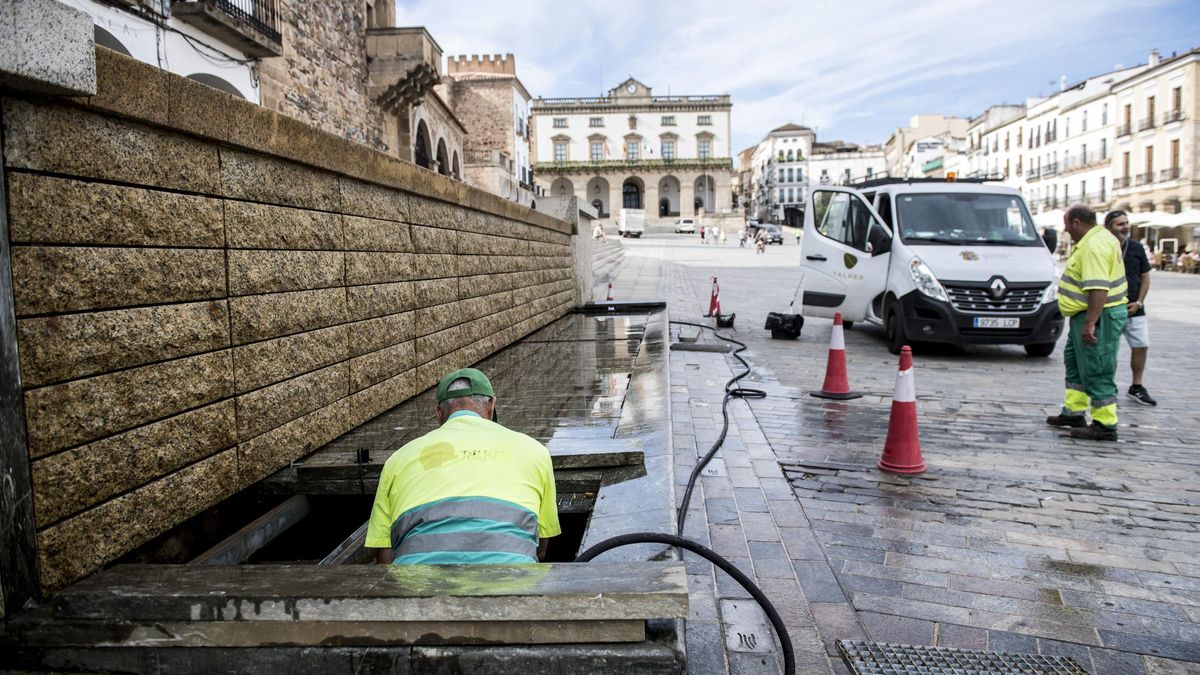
[(931, 260), (631, 222)]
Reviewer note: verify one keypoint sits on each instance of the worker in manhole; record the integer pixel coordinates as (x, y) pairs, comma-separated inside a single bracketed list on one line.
[(470, 491)]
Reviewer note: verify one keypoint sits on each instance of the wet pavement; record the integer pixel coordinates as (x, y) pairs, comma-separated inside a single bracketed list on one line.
[(1017, 538)]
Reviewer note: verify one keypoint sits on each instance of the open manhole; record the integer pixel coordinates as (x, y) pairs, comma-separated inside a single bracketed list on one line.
[(879, 658), (700, 347)]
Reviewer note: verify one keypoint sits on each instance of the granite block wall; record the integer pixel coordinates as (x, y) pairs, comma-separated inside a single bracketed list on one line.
[(206, 291)]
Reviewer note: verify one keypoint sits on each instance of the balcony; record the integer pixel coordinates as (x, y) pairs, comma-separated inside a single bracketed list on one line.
[(1094, 198), (251, 26), (1049, 203), (1121, 183), (1172, 116), (1050, 136), (711, 163), (1124, 130), (1146, 123), (1169, 174), (1050, 169), (1033, 176), (1144, 178)]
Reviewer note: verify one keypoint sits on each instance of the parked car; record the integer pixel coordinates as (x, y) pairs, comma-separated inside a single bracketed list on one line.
[(685, 226), (774, 234)]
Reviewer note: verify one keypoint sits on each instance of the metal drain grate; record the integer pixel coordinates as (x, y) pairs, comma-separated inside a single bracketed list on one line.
[(878, 658), (700, 347)]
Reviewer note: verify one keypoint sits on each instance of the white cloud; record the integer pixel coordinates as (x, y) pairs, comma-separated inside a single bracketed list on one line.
[(845, 67)]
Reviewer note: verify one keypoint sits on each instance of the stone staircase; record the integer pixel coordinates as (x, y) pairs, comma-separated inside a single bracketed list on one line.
[(606, 260)]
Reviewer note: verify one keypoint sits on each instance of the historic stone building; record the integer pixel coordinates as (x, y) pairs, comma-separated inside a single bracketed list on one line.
[(340, 65), (669, 155), (491, 102)]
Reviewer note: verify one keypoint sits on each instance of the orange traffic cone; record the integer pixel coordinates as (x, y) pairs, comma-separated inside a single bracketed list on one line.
[(714, 302), (609, 298), (902, 449), (837, 385)]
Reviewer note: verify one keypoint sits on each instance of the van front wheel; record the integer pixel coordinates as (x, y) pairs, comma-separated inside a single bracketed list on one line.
[(894, 329), (1040, 349)]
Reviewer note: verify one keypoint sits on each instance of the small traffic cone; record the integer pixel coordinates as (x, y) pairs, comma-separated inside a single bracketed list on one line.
[(714, 302), (902, 449), (610, 297), (837, 385)]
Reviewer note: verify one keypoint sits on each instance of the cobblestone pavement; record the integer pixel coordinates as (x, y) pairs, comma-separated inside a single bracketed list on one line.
[(1017, 538)]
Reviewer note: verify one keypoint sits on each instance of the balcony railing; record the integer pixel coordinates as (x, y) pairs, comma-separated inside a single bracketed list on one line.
[(1121, 182), (1172, 116), (1050, 169), (1124, 130), (250, 25), (1144, 178), (1169, 174), (1093, 198), (1050, 136), (1146, 123), (1034, 175), (1050, 203), (678, 163)]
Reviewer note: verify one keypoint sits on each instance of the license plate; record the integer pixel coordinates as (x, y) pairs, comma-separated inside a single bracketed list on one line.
[(995, 322)]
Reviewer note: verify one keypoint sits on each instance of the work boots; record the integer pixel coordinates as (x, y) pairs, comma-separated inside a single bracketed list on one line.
[(1067, 421), (1096, 432)]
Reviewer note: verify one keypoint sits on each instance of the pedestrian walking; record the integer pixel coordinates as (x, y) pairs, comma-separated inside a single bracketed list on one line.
[(1137, 275), (799, 231), (1091, 293), (742, 238), (760, 240), (702, 235), (721, 234)]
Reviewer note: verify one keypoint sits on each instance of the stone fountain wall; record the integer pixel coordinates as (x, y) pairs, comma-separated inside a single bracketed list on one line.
[(206, 290)]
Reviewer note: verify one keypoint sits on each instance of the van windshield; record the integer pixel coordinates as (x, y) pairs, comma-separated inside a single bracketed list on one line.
[(965, 218)]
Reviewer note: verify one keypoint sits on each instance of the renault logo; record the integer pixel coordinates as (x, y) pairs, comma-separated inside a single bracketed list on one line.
[(998, 287)]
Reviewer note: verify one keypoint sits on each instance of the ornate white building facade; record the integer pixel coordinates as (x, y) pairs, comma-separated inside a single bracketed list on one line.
[(669, 155)]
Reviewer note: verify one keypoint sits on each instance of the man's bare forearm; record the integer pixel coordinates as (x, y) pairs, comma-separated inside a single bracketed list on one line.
[(1096, 300), (1141, 299)]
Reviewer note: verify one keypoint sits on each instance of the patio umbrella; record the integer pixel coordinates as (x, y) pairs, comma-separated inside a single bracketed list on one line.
[(1049, 219), (1183, 218), (1142, 217)]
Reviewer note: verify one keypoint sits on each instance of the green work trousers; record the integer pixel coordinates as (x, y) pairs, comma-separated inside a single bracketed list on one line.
[(1092, 369)]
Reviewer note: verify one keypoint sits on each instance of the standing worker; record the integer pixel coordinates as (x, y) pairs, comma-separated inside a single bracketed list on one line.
[(467, 492), (1137, 275), (1091, 294)]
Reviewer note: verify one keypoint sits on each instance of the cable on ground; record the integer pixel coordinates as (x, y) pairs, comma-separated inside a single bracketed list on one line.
[(731, 392), (785, 640)]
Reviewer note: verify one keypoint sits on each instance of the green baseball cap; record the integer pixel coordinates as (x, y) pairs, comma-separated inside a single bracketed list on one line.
[(480, 385)]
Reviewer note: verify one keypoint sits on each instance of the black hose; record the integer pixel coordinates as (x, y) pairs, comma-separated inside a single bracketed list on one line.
[(730, 392), (785, 640)]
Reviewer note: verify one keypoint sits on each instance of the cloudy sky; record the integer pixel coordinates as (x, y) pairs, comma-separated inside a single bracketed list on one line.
[(853, 69)]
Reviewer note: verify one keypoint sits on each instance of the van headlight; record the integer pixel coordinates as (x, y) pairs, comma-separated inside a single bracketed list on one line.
[(925, 281), (1051, 293)]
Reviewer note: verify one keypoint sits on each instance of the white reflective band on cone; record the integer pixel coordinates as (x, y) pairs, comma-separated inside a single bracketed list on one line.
[(906, 390), (837, 339)]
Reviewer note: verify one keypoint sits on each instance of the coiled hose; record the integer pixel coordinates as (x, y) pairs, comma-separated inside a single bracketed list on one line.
[(731, 391)]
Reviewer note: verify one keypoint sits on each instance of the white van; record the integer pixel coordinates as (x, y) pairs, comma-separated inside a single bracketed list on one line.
[(931, 261), (631, 222)]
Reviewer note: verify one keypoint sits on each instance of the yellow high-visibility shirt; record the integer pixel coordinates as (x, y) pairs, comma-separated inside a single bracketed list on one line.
[(470, 491), (1094, 264)]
